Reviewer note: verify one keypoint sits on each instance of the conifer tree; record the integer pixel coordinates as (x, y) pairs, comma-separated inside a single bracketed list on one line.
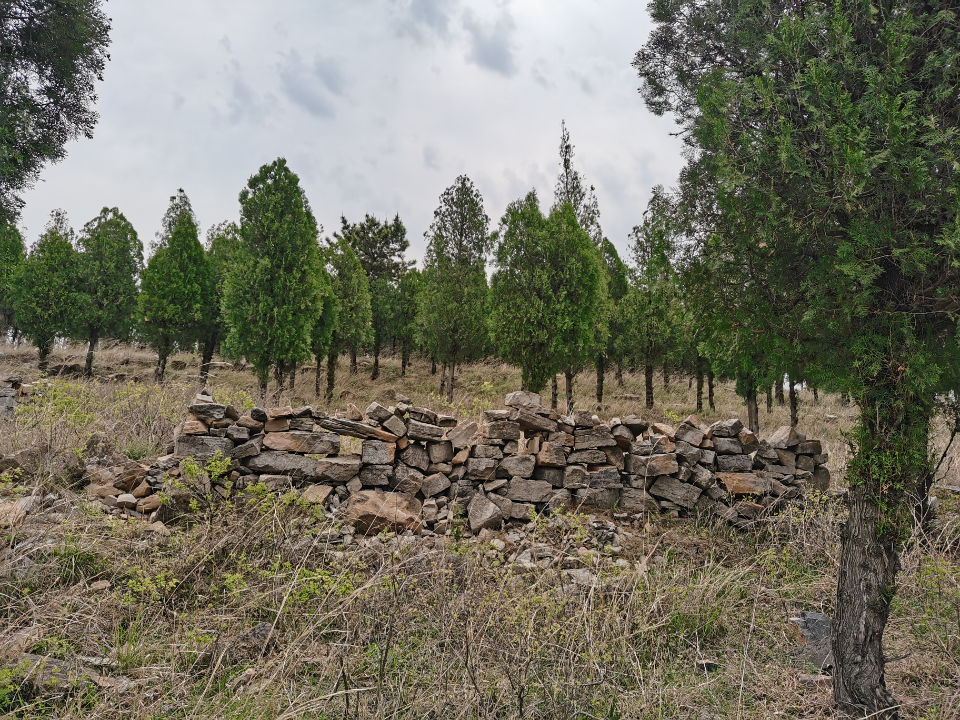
[(405, 316), (12, 253), (46, 287), (274, 289), (110, 263), (173, 289), (223, 246), (352, 328), (453, 290)]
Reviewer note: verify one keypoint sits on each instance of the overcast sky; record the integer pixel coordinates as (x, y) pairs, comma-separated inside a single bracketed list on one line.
[(377, 105)]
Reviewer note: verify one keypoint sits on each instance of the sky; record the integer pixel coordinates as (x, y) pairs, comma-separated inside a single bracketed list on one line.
[(377, 105)]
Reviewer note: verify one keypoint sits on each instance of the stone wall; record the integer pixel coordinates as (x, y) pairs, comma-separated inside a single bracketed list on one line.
[(412, 468), (9, 392)]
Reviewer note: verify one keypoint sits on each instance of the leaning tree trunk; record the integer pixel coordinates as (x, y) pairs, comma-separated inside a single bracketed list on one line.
[(601, 371), (279, 374), (376, 362), (293, 377), (794, 402), (885, 477), (699, 384), (433, 365), (648, 385), (331, 374), (568, 386), (88, 367), (554, 393), (816, 396), (443, 380)]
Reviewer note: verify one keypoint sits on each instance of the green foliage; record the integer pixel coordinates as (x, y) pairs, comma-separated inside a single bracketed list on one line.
[(110, 261), (274, 291), (571, 188), (223, 247), (51, 55), (453, 288), (351, 291), (12, 253), (174, 288), (46, 287)]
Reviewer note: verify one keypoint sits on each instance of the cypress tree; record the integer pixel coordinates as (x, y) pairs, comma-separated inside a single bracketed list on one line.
[(12, 253), (351, 293)]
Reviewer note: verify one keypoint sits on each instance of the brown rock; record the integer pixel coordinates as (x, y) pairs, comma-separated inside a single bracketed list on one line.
[(371, 511), (312, 443), (664, 464), (462, 435), (669, 488), (741, 483), (316, 494), (785, 437), (193, 427), (551, 455)]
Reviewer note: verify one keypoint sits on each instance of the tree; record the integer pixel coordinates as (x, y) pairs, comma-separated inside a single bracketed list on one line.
[(51, 55), (609, 338), (110, 261), (405, 316), (379, 246), (351, 293), (12, 252), (321, 337), (173, 289), (273, 291), (572, 188), (830, 131), (46, 292), (453, 291), (223, 247)]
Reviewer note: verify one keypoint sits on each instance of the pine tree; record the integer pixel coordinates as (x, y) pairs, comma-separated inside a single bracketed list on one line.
[(173, 289), (351, 293), (46, 287), (223, 247), (453, 290), (110, 262), (274, 289), (12, 253), (405, 316)]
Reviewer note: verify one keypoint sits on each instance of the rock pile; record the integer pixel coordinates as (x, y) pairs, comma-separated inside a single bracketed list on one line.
[(410, 468), (9, 392)]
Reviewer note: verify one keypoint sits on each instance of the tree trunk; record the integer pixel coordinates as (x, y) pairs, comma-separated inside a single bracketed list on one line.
[(206, 356), (884, 477), (554, 393), (568, 386), (619, 374), (710, 401), (353, 361), (163, 351), (443, 380), (769, 399), (453, 368), (331, 374), (753, 410), (690, 382), (794, 402), (376, 362), (293, 376), (601, 371), (316, 378), (648, 385), (88, 367), (666, 374), (262, 390), (433, 365), (404, 361), (43, 353), (778, 385), (699, 384), (279, 374), (816, 396)]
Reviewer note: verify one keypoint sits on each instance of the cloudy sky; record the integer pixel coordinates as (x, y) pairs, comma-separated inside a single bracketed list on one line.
[(377, 104)]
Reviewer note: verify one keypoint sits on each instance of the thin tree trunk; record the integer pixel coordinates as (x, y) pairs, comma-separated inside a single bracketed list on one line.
[(331, 374), (648, 385), (699, 384), (886, 474), (262, 390), (794, 402), (690, 382), (88, 367), (778, 385), (568, 382), (353, 361), (404, 361), (601, 371), (554, 393), (769, 399), (316, 379), (279, 375), (293, 376), (710, 399), (453, 368), (43, 354), (206, 356), (666, 374), (433, 365), (619, 374), (376, 362), (750, 395), (163, 351), (816, 396), (443, 380)]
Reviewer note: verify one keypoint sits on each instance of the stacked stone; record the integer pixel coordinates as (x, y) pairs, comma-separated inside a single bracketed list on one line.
[(788, 456), (9, 392)]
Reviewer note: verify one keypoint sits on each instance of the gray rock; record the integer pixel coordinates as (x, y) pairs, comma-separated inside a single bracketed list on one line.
[(529, 490), (376, 475), (415, 456), (483, 513), (407, 479), (517, 466), (202, 447), (377, 452), (664, 464), (734, 463), (417, 430), (683, 494), (435, 484)]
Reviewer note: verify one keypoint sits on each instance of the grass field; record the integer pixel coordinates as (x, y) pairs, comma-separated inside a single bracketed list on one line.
[(680, 619)]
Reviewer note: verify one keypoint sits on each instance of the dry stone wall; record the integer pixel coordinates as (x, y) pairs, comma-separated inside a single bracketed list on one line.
[(412, 468), (10, 387)]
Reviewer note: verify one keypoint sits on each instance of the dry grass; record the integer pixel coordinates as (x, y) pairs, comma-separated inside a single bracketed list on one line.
[(434, 628)]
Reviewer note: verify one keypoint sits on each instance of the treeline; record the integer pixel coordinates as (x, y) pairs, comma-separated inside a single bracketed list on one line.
[(272, 291)]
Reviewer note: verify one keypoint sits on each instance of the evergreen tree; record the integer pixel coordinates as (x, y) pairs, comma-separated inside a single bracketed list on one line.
[(610, 332), (12, 252), (351, 293), (110, 262), (405, 316), (275, 286), (829, 132), (453, 290), (379, 246), (572, 188), (46, 287), (173, 290), (321, 337), (223, 247)]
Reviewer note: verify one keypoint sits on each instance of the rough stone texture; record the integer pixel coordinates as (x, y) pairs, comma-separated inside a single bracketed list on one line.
[(809, 447), (483, 513), (435, 484), (407, 479), (741, 483), (575, 477), (785, 437), (395, 426), (517, 466), (308, 443), (353, 428), (689, 434), (668, 488), (551, 455), (316, 494), (590, 438), (416, 456), (377, 412), (726, 428), (587, 457), (248, 449), (417, 430), (338, 470), (377, 452), (461, 435), (275, 462), (528, 490), (440, 452), (605, 477), (523, 400), (481, 469), (371, 511), (531, 422), (376, 475), (748, 441), (734, 463), (665, 464), (202, 447), (636, 500), (727, 446), (502, 430)]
